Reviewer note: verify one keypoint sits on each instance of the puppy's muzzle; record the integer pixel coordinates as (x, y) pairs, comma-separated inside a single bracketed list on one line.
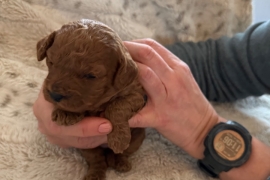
[(55, 96)]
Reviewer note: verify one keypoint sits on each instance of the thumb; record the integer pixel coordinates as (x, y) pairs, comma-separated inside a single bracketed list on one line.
[(88, 127), (143, 119)]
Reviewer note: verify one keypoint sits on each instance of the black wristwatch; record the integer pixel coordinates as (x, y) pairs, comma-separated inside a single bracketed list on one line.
[(228, 145)]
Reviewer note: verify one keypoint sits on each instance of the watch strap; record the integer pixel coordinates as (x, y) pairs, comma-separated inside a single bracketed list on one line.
[(211, 167)]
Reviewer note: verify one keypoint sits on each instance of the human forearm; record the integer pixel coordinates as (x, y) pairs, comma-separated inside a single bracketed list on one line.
[(229, 69)]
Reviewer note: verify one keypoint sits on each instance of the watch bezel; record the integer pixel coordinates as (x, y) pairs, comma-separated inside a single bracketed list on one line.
[(234, 126)]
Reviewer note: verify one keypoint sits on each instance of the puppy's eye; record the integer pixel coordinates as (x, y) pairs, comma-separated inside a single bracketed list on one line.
[(89, 76)]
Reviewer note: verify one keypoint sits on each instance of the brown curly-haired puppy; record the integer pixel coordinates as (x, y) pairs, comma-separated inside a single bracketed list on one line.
[(91, 73)]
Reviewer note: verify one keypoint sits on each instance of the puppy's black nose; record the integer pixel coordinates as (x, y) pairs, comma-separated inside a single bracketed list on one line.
[(56, 97)]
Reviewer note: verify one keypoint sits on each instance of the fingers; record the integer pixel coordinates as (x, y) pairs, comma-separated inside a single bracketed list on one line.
[(91, 126), (178, 66), (151, 83), (145, 118), (88, 127), (169, 57), (146, 55)]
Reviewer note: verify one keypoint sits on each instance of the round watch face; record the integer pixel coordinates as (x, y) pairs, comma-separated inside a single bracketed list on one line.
[(229, 145)]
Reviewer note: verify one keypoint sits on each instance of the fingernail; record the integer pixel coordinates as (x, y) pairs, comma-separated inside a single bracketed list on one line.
[(105, 128)]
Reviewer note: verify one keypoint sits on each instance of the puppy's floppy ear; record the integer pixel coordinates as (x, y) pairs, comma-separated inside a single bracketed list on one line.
[(127, 71), (43, 45)]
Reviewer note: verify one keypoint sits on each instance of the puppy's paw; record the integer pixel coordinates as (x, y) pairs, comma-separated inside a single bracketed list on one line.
[(119, 162), (66, 118), (122, 164), (95, 176), (118, 142)]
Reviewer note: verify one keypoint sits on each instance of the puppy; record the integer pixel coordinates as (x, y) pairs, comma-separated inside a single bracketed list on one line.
[(91, 73)]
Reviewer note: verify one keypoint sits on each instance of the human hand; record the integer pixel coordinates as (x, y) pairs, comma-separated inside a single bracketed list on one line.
[(176, 106), (85, 134)]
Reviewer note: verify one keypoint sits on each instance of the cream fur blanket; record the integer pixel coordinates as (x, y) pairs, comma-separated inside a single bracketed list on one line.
[(24, 152)]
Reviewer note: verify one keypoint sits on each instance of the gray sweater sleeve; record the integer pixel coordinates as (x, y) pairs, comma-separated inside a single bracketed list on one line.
[(228, 69)]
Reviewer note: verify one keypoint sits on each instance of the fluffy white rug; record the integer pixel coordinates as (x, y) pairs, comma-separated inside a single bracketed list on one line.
[(24, 152)]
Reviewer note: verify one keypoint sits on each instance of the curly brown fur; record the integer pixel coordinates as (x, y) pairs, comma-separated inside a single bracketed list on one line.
[(90, 73)]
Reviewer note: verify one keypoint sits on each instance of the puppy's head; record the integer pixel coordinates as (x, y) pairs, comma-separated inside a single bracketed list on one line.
[(87, 66)]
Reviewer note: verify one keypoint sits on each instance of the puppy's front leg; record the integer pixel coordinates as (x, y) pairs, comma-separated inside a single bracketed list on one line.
[(120, 162), (66, 118), (119, 112)]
